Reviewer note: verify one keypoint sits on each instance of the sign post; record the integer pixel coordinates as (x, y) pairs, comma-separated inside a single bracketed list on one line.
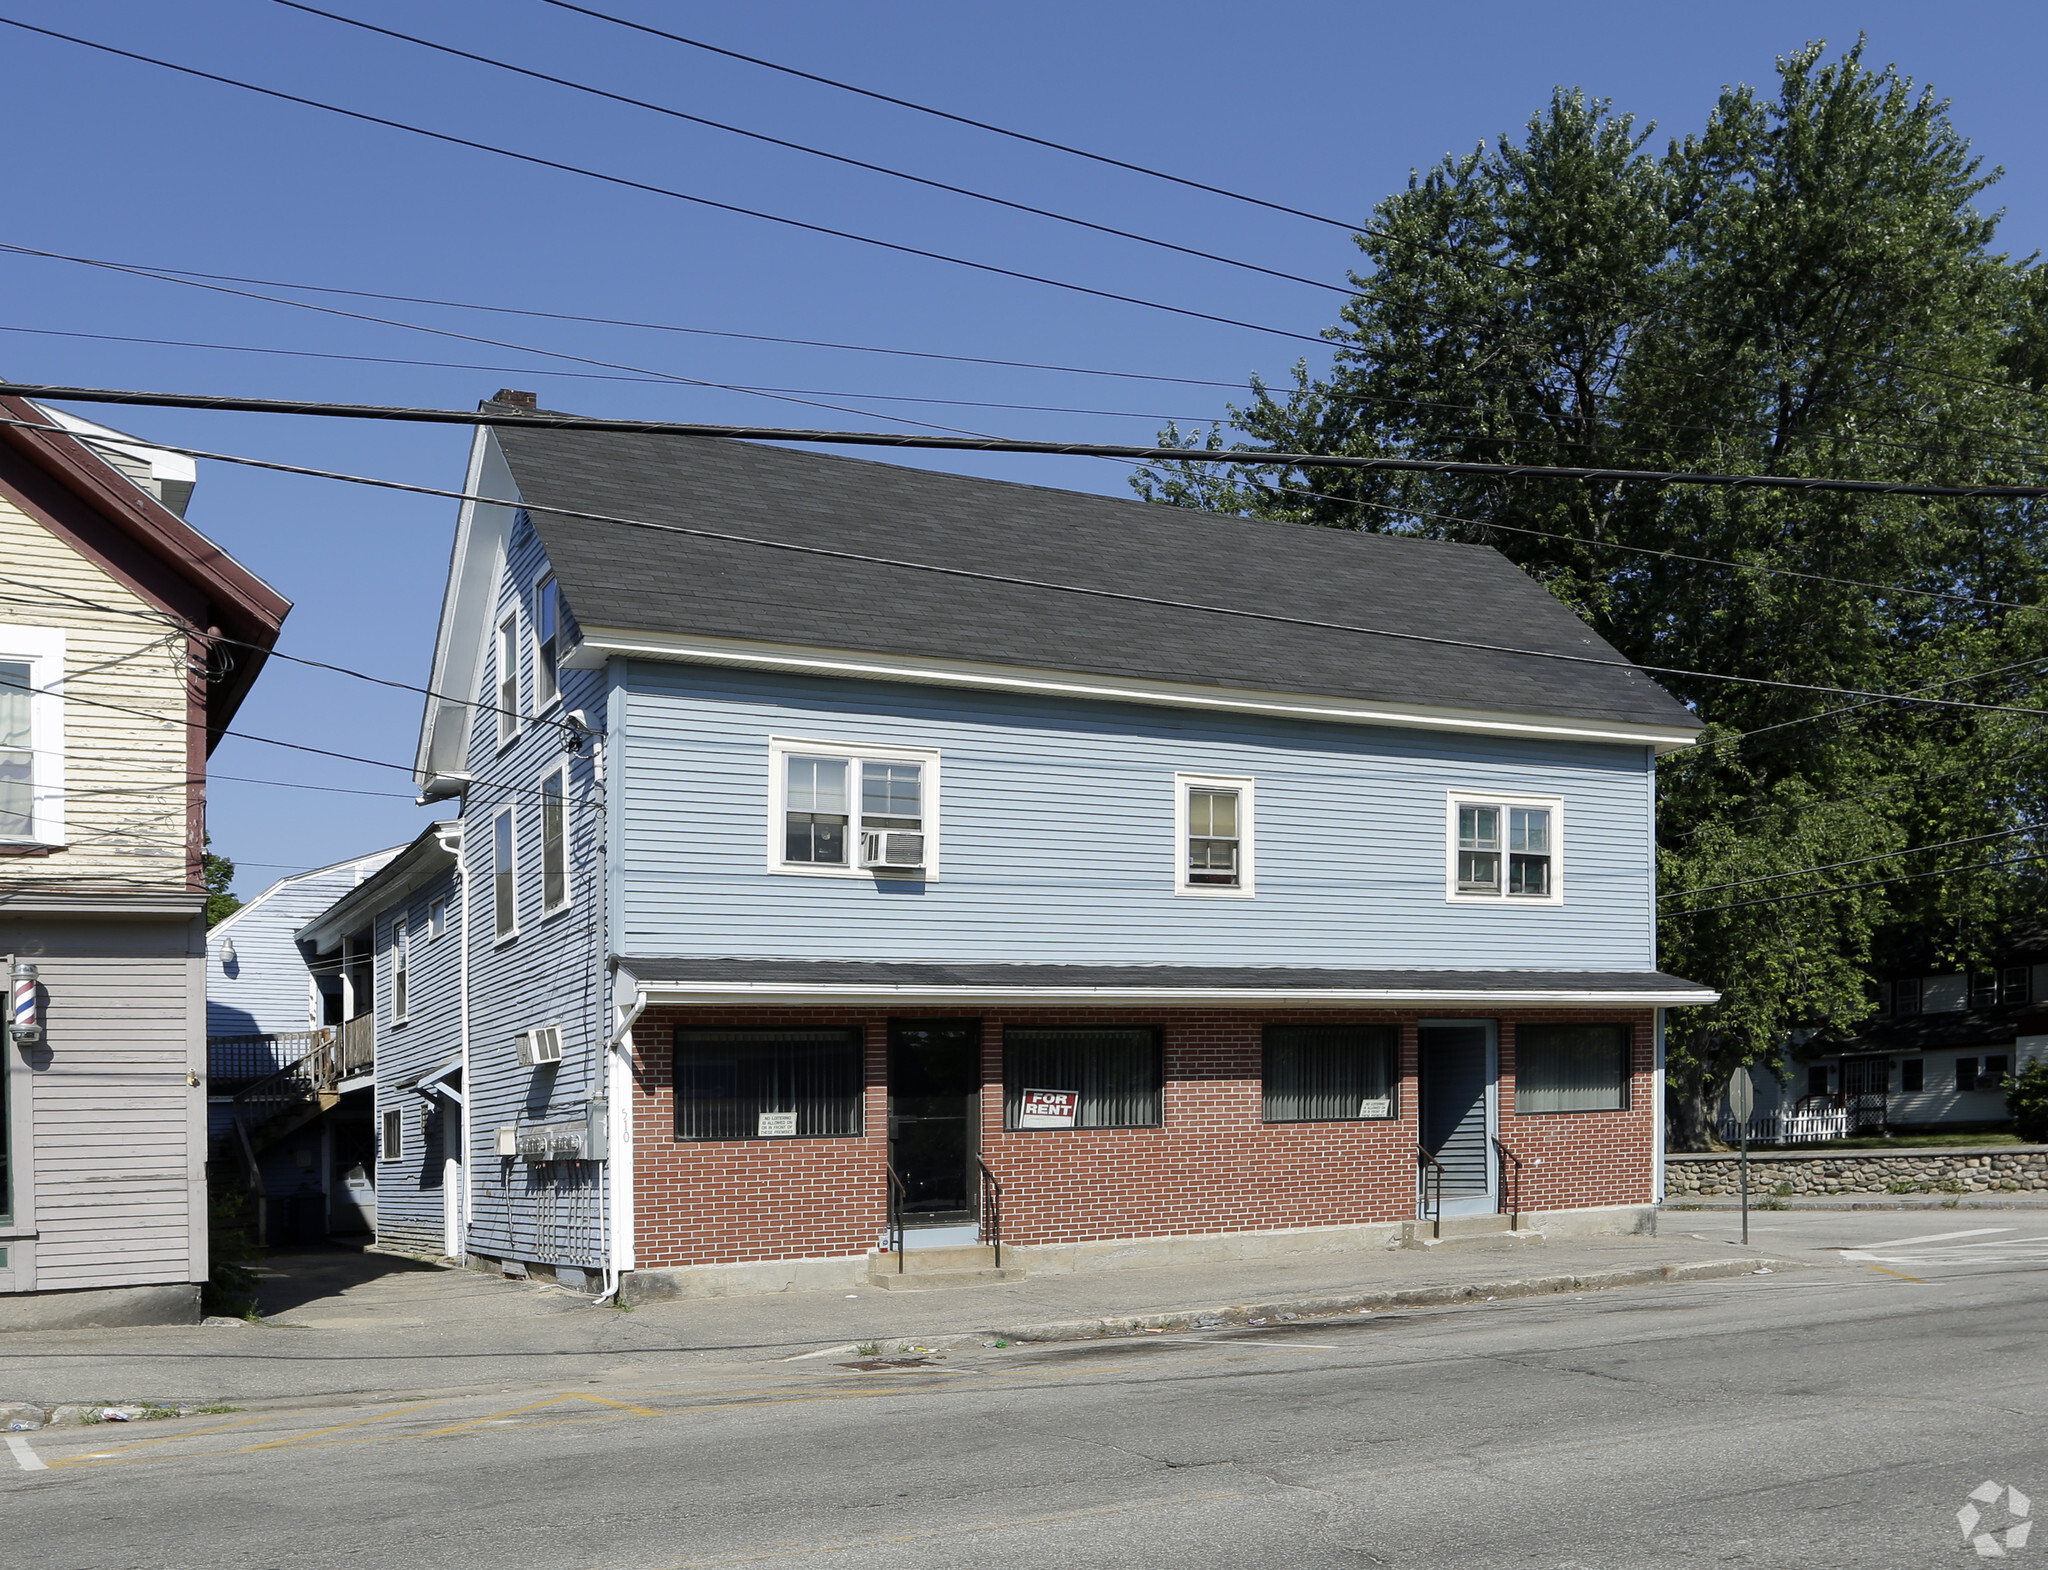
[(1741, 1103)]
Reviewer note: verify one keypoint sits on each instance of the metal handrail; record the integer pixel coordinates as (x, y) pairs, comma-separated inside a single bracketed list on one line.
[(1432, 1175), (991, 1209), (899, 1198), (1513, 1206)]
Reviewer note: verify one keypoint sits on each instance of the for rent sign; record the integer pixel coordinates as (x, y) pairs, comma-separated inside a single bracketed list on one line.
[(1049, 1109)]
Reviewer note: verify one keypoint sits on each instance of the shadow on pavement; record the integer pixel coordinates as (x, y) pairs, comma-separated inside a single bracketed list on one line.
[(291, 1278)]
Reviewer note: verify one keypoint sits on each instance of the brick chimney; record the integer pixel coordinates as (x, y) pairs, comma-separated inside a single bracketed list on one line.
[(521, 400)]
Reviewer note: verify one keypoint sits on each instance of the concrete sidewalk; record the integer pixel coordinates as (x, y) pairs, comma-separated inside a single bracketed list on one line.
[(352, 1324)]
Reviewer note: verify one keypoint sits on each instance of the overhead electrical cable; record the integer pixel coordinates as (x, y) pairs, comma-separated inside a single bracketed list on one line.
[(976, 443), (1020, 582), (1850, 888), (797, 395), (815, 152), (651, 189), (1859, 861)]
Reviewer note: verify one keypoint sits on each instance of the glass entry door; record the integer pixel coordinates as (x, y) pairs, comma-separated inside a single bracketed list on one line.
[(1457, 1062), (935, 1116)]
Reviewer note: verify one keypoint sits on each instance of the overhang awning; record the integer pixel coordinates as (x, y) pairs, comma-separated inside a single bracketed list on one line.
[(672, 979), (437, 1083)]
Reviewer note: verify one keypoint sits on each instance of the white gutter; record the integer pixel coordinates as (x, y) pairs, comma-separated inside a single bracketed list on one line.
[(764, 992)]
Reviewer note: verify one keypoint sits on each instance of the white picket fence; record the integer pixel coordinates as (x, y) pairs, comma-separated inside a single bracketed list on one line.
[(1790, 1128)]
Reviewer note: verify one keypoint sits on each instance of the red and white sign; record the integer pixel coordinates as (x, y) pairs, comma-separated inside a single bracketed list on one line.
[(1049, 1109)]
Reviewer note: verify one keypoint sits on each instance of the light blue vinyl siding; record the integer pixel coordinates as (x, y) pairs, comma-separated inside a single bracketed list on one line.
[(549, 974), (1058, 844), (266, 990), (409, 1194)]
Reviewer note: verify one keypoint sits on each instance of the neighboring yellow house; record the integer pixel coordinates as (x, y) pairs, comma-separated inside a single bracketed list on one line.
[(127, 641)]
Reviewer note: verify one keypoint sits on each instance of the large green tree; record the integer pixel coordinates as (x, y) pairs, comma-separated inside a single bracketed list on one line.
[(1808, 286)]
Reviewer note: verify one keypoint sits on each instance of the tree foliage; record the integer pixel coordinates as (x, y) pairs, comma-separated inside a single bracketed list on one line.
[(1806, 286), (219, 873)]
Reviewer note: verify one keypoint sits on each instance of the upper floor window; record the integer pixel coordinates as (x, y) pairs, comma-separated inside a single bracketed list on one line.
[(1906, 995), (547, 641), (31, 736), (853, 812), (504, 893), (1506, 849), (2015, 984), (554, 841), (401, 972), (1212, 834), (508, 679), (437, 917)]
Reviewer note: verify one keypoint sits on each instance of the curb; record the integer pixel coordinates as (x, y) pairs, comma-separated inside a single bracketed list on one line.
[(1241, 1315), (1773, 1202)]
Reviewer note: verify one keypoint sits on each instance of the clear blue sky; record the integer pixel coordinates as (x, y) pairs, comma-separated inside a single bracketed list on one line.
[(1324, 106)]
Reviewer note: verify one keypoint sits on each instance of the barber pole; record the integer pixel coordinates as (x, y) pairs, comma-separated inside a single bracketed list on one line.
[(23, 1022)]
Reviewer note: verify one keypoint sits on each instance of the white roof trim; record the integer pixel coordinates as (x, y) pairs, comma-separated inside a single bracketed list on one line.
[(782, 992), (481, 532), (602, 643)]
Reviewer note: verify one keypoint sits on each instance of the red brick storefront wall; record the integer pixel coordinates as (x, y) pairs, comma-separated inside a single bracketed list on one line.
[(1213, 1166)]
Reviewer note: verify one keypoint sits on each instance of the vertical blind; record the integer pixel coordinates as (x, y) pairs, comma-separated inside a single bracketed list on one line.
[(1326, 1073), (1571, 1068), (17, 759), (1117, 1073), (726, 1080)]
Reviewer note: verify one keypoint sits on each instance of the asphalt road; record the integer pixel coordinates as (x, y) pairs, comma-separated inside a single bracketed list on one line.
[(1833, 1416)]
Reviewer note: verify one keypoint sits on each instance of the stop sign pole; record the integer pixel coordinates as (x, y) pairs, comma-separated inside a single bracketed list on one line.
[(1741, 1103)]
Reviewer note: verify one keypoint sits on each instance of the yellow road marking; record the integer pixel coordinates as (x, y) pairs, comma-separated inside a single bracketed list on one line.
[(1899, 1273), (396, 1411)]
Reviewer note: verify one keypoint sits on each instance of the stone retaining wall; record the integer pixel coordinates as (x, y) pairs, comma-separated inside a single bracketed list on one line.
[(1986, 1169)]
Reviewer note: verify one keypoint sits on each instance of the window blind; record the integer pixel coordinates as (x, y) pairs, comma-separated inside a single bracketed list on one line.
[(1116, 1072), (1330, 1073), (1571, 1068)]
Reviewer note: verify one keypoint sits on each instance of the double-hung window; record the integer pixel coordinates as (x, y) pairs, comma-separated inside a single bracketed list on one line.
[(1507, 849), (547, 644), (508, 679), (853, 812), (391, 1144), (1571, 1068), (401, 972), (1212, 834), (504, 888), (31, 736), (554, 841)]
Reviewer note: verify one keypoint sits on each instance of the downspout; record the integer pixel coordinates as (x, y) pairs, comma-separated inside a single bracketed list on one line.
[(1657, 1118), (618, 1062), (453, 843)]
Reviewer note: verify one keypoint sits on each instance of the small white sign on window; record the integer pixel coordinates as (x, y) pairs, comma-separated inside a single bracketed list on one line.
[(1376, 1107), (775, 1125), (1049, 1109)]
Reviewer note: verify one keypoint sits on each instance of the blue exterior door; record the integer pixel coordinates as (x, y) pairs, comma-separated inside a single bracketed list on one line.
[(1457, 1074)]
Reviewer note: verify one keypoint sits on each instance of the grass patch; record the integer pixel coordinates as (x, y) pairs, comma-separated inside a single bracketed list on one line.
[(868, 1349), (218, 1410), (1903, 1143)]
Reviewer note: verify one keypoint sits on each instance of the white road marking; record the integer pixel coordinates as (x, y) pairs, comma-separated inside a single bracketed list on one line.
[(1933, 1237), (28, 1460)]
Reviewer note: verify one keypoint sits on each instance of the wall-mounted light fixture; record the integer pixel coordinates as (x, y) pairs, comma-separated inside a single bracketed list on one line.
[(227, 955), (24, 1016)]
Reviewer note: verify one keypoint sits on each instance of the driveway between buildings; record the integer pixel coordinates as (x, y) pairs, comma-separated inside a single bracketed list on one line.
[(343, 1323)]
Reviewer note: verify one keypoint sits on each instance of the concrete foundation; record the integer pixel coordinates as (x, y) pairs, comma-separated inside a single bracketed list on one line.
[(851, 1273), (101, 1308)]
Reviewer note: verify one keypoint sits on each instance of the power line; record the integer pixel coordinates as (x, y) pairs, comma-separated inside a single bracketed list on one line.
[(1833, 866), (1034, 583), (659, 190), (770, 433), (648, 379), (1850, 888), (979, 125), (815, 152)]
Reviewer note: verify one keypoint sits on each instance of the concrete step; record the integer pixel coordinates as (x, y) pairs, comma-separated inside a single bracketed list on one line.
[(962, 1266), (1464, 1229)]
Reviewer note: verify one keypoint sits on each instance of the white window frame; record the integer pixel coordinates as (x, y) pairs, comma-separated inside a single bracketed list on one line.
[(560, 776), (546, 585), (510, 872), (1247, 817), (42, 649), (437, 918), (1453, 895), (401, 971), (782, 748), (391, 1134), (504, 663)]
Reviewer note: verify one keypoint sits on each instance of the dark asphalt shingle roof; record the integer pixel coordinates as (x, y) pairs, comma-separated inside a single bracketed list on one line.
[(644, 580), (1298, 979)]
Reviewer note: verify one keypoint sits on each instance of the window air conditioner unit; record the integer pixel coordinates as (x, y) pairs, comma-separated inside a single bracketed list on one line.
[(898, 848), (538, 1048)]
